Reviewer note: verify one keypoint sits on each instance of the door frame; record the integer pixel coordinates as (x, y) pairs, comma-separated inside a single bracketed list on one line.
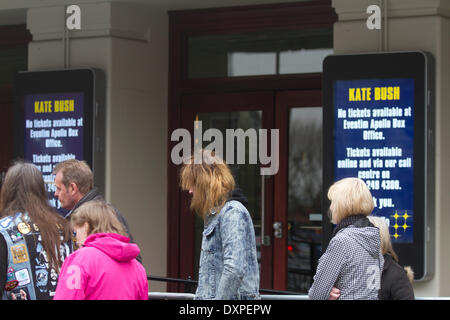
[(227, 102), (182, 24)]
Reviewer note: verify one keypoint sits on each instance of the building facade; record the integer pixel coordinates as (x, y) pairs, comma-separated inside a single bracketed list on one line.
[(237, 63)]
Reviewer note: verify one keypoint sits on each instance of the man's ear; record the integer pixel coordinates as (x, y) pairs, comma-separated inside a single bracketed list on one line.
[(73, 188)]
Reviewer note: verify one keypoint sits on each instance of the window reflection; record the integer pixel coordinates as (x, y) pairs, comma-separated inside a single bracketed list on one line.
[(304, 196), (258, 53), (286, 62)]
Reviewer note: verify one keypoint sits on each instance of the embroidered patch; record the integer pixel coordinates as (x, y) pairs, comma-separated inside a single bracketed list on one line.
[(11, 285), (23, 277), (19, 253), (6, 222), (15, 235), (11, 281)]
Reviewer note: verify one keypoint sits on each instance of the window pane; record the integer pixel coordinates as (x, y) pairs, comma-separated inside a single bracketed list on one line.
[(244, 63), (258, 53), (11, 61), (304, 196), (303, 61)]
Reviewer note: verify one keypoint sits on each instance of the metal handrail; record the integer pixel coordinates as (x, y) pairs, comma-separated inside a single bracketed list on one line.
[(170, 296), (191, 283), (272, 294), (166, 279), (190, 296)]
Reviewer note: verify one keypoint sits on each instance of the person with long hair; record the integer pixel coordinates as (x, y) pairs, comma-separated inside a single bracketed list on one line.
[(34, 239), (105, 267), (228, 260), (395, 280)]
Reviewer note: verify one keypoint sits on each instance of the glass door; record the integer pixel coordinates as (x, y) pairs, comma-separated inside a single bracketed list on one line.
[(286, 207), (298, 190), (227, 113), (246, 175)]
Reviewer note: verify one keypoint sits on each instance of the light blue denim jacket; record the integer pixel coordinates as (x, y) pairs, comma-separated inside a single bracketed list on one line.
[(228, 261)]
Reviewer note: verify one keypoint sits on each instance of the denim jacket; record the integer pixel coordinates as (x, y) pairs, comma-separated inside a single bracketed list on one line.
[(228, 260)]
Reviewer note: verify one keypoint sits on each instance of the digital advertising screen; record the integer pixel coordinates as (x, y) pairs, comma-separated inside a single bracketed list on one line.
[(374, 141), (53, 132), (379, 126), (59, 115)]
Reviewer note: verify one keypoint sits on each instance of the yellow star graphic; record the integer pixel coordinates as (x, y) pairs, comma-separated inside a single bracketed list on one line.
[(396, 235), (396, 216), (405, 226), (405, 216)]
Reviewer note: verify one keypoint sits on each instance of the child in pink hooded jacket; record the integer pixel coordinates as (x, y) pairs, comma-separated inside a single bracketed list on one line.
[(105, 267)]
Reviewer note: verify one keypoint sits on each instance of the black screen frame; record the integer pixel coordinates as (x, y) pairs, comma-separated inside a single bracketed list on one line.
[(49, 82), (89, 81), (416, 65)]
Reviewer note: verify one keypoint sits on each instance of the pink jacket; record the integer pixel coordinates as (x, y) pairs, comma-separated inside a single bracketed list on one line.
[(105, 268)]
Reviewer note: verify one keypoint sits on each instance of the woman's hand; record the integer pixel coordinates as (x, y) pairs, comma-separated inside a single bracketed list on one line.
[(334, 294)]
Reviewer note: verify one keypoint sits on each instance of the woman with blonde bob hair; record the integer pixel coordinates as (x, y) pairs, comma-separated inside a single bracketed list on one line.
[(352, 264), (105, 267), (395, 280), (228, 259), (349, 196)]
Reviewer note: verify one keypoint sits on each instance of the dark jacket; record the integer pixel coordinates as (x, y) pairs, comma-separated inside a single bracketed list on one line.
[(238, 195), (23, 262), (94, 194), (395, 284)]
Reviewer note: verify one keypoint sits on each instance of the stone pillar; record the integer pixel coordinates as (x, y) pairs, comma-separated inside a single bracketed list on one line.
[(129, 42)]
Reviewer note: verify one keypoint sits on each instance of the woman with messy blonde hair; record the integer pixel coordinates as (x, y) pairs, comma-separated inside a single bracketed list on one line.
[(395, 280), (212, 181), (228, 259)]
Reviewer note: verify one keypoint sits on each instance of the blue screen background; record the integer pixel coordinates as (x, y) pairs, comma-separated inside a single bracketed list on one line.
[(69, 145), (394, 181)]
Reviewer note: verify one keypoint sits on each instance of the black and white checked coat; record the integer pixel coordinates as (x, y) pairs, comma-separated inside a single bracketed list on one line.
[(353, 263)]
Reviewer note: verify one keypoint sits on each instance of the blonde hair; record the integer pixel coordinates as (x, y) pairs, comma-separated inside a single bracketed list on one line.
[(409, 273), (385, 237), (386, 244), (211, 180), (349, 196), (100, 217)]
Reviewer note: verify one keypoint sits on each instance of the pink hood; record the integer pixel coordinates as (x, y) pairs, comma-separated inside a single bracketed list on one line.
[(105, 268), (114, 245)]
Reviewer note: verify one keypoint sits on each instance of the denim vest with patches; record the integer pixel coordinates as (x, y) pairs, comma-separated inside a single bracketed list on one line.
[(28, 270)]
